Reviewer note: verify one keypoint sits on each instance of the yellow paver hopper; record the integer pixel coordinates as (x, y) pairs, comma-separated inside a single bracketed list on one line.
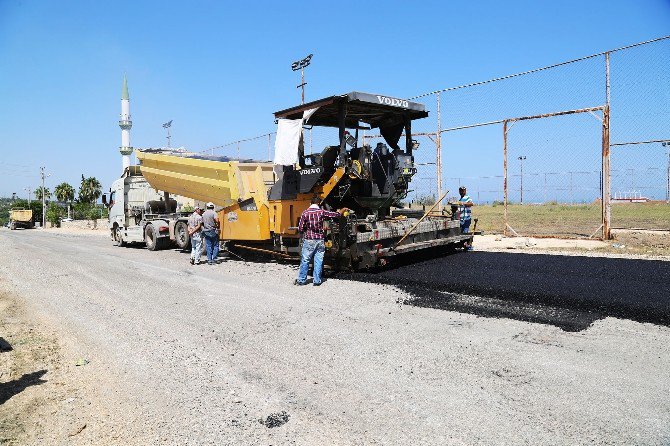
[(221, 180)]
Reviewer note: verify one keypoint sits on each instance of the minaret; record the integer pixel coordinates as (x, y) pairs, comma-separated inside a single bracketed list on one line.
[(126, 124)]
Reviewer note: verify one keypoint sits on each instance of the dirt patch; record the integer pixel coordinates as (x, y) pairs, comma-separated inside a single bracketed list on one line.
[(48, 395), (28, 383), (655, 243), (626, 244)]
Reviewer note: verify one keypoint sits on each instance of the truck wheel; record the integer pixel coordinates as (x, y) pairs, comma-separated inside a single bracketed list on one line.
[(118, 237), (151, 237), (181, 236)]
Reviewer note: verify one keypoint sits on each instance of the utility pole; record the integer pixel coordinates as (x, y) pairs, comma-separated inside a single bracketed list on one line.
[(44, 198), (30, 191), (521, 158), (167, 126), (667, 186), (301, 65)]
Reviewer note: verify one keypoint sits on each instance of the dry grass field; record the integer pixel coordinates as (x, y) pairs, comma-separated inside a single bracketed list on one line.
[(579, 220)]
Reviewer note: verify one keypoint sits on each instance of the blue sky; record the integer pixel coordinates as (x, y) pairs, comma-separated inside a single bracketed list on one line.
[(219, 69)]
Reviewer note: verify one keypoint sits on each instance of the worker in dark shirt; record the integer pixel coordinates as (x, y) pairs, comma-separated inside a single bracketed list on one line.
[(310, 226)]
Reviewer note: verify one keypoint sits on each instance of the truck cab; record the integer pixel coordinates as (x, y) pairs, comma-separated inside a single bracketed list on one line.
[(130, 198)]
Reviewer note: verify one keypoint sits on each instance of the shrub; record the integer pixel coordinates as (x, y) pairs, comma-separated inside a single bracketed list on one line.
[(54, 214)]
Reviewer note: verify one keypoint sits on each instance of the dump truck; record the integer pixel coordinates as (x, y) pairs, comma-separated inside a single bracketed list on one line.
[(261, 202), (141, 212), (132, 205), (21, 218)]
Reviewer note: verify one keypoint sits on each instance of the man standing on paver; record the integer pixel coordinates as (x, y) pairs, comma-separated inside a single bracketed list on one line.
[(310, 226), (195, 232), (210, 227), (464, 209)]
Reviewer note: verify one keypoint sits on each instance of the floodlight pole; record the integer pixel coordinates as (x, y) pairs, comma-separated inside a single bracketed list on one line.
[(302, 85), (167, 126), (521, 158), (301, 65)]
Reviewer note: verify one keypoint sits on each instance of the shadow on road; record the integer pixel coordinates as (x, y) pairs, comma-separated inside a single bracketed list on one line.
[(5, 346), (570, 292), (11, 388)]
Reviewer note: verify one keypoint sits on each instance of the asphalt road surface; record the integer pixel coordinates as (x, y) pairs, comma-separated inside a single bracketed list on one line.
[(235, 354), (567, 291)]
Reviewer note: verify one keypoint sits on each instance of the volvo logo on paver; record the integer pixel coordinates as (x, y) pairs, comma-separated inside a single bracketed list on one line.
[(311, 170), (392, 101)]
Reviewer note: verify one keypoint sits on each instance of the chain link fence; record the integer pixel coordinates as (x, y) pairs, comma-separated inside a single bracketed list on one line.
[(572, 149)]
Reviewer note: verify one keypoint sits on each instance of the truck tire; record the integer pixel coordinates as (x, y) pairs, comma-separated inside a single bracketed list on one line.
[(181, 237), (118, 237), (151, 237)]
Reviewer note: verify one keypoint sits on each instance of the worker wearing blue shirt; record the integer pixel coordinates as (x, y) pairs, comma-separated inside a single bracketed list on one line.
[(464, 209)]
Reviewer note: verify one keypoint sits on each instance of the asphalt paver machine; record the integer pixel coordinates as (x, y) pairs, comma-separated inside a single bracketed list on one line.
[(371, 182)]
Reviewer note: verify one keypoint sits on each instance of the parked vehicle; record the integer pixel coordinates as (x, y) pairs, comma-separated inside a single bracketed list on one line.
[(21, 218), (140, 214)]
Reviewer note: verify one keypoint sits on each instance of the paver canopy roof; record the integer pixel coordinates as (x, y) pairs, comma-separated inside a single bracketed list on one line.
[(371, 109)]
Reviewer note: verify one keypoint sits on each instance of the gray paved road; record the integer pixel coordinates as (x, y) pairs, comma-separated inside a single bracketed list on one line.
[(202, 353)]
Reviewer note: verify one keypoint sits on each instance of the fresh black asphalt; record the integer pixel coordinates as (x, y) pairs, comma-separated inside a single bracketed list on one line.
[(567, 291)]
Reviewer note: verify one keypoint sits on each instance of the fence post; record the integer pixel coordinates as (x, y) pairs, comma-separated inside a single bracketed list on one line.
[(607, 183), (505, 177), (438, 155), (606, 195)]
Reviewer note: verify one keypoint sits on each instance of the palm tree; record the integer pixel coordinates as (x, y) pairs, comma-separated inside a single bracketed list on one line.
[(65, 193), (89, 190), (38, 193)]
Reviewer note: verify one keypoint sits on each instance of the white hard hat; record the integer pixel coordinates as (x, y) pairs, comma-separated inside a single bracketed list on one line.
[(210, 205)]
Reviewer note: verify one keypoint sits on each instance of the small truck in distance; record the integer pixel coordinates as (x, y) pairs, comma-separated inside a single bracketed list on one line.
[(21, 218)]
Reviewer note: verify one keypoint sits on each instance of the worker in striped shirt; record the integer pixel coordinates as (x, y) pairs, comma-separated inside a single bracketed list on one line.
[(464, 209), (310, 226)]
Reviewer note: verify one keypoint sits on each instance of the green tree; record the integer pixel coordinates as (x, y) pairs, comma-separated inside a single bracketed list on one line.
[(54, 214), (89, 190), (64, 193), (38, 193)]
